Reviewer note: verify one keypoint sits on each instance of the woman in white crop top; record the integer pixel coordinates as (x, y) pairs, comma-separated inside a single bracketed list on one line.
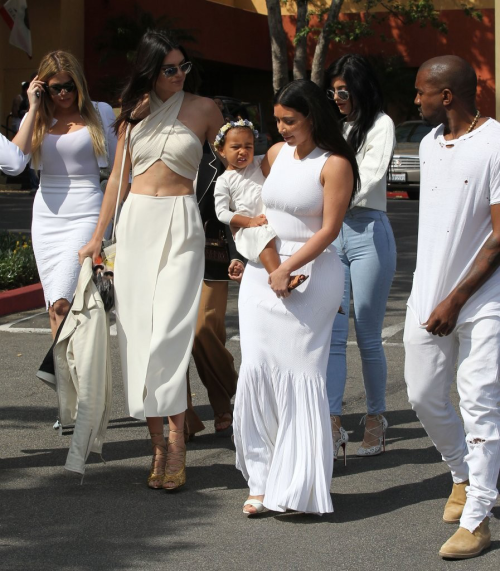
[(68, 137), (160, 242), (366, 247)]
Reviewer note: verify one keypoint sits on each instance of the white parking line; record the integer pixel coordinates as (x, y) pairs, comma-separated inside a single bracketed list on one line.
[(390, 331), (387, 332), (9, 327)]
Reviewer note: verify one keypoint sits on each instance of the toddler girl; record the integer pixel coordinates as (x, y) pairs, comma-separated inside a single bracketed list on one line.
[(238, 200)]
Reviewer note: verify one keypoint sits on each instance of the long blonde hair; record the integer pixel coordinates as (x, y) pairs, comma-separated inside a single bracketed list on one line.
[(52, 63)]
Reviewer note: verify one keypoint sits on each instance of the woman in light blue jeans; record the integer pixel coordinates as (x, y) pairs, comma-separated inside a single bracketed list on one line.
[(366, 247)]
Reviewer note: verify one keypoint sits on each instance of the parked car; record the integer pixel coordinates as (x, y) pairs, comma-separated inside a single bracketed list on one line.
[(234, 109), (404, 170)]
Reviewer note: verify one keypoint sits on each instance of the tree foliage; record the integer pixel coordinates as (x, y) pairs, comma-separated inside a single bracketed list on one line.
[(320, 20)]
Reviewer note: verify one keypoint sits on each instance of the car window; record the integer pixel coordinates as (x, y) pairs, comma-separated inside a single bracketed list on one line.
[(403, 132), (419, 133)]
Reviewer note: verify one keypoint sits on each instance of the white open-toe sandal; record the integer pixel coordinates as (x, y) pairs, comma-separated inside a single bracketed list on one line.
[(257, 504)]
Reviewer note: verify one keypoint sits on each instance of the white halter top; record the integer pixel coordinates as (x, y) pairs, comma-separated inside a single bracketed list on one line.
[(161, 136)]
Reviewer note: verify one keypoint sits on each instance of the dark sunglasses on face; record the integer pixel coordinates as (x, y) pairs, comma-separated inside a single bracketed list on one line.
[(342, 94), (170, 71), (56, 88)]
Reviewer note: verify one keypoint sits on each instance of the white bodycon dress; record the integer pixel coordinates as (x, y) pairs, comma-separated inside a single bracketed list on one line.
[(67, 205), (281, 416)]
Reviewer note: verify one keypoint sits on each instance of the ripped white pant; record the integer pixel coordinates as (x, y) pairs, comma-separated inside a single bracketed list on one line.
[(429, 373)]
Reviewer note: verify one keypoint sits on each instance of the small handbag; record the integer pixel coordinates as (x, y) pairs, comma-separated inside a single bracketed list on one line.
[(216, 248)]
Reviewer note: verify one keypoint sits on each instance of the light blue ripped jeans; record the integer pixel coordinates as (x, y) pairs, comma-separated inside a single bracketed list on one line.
[(367, 249)]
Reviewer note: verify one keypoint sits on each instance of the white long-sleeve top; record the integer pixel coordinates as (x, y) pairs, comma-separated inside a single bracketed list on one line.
[(239, 192), (373, 161), (12, 160)]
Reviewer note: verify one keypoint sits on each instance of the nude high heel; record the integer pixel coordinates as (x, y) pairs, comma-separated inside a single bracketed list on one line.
[(178, 478), (157, 473)]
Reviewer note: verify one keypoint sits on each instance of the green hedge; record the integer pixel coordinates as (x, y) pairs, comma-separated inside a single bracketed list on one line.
[(17, 261)]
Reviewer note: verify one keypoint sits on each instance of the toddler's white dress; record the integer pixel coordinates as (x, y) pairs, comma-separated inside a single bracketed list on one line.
[(240, 192)]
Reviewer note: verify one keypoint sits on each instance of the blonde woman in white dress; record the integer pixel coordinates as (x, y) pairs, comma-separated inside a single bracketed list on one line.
[(69, 138), (281, 417), (160, 242)]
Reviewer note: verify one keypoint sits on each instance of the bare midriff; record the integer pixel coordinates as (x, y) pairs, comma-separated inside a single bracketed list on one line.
[(159, 180)]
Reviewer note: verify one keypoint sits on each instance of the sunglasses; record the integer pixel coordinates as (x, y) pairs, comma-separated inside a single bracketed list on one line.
[(56, 88), (170, 71), (99, 269), (342, 94)]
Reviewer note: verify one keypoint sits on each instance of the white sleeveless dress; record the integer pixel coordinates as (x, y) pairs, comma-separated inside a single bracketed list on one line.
[(281, 416), (65, 211)]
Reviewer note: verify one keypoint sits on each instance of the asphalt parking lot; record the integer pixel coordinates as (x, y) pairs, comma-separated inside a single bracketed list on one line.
[(387, 508)]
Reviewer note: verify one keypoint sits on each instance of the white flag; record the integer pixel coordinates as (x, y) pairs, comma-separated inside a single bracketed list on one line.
[(15, 14)]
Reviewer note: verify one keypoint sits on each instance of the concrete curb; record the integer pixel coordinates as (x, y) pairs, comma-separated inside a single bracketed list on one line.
[(21, 299)]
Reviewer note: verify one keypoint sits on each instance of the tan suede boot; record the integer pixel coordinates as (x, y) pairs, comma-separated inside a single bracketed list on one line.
[(455, 504), (464, 545)]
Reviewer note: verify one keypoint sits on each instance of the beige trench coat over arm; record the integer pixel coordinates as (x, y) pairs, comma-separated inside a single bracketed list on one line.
[(83, 371)]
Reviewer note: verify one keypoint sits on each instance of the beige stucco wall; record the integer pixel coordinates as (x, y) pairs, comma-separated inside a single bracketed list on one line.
[(55, 24)]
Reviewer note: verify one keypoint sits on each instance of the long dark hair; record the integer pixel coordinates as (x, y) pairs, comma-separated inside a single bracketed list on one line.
[(310, 100), (365, 93), (151, 51)]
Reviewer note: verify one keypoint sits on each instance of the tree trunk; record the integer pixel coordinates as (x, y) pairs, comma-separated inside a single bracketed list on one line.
[(300, 57), (318, 64), (279, 51)]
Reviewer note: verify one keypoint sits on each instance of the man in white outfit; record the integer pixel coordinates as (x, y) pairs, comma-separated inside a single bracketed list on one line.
[(453, 316)]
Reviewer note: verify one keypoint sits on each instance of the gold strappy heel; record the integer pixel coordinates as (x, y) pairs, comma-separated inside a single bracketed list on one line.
[(155, 478), (174, 460)]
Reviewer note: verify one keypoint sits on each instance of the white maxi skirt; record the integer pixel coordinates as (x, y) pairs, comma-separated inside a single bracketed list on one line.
[(281, 425), (65, 213), (159, 269)]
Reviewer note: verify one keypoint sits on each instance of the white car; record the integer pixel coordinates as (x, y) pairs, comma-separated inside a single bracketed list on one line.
[(404, 170)]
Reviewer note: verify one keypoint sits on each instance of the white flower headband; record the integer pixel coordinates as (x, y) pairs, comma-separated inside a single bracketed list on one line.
[(221, 135)]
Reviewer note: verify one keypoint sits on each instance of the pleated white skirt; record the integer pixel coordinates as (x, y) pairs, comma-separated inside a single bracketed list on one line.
[(282, 427), (159, 269), (65, 213)]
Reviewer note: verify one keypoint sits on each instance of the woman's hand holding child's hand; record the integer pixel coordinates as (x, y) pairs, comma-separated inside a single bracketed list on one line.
[(236, 269)]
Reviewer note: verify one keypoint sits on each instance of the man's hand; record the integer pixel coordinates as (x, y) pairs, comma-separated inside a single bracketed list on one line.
[(443, 319), (236, 269)]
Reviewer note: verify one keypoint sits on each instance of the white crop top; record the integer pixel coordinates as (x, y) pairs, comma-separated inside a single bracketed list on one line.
[(161, 136)]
